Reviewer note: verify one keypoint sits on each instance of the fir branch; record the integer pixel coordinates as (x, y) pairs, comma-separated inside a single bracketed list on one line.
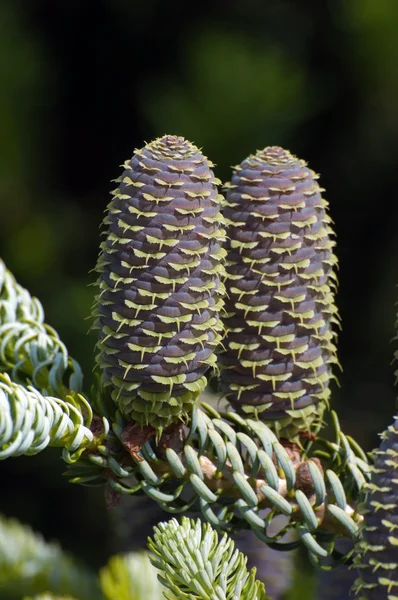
[(29, 565), (29, 422), (30, 350), (229, 469), (195, 563), (234, 466)]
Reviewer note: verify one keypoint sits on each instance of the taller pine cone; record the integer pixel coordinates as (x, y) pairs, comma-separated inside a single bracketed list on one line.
[(280, 283), (159, 279), (378, 550)]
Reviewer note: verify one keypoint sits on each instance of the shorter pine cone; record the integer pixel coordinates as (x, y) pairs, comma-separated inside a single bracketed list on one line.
[(280, 281), (378, 551)]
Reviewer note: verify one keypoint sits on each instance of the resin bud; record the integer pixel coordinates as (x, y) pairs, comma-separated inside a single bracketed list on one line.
[(280, 281), (159, 280)]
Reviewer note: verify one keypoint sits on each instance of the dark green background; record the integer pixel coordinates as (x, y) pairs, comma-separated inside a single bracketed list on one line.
[(83, 83)]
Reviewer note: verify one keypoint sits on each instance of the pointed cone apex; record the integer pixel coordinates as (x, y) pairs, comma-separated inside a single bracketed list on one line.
[(280, 293), (159, 282)]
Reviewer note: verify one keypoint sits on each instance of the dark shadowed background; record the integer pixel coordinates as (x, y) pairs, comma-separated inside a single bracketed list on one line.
[(85, 82)]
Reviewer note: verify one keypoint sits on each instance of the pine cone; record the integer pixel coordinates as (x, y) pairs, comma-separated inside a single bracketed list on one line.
[(378, 551), (160, 287), (280, 283)]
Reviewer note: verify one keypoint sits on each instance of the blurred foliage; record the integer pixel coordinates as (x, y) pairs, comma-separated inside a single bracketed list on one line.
[(83, 83), (22, 71), (227, 99), (130, 577), (30, 565)]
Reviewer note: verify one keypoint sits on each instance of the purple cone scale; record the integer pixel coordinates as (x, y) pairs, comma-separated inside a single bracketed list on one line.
[(159, 279), (279, 344), (378, 550)]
